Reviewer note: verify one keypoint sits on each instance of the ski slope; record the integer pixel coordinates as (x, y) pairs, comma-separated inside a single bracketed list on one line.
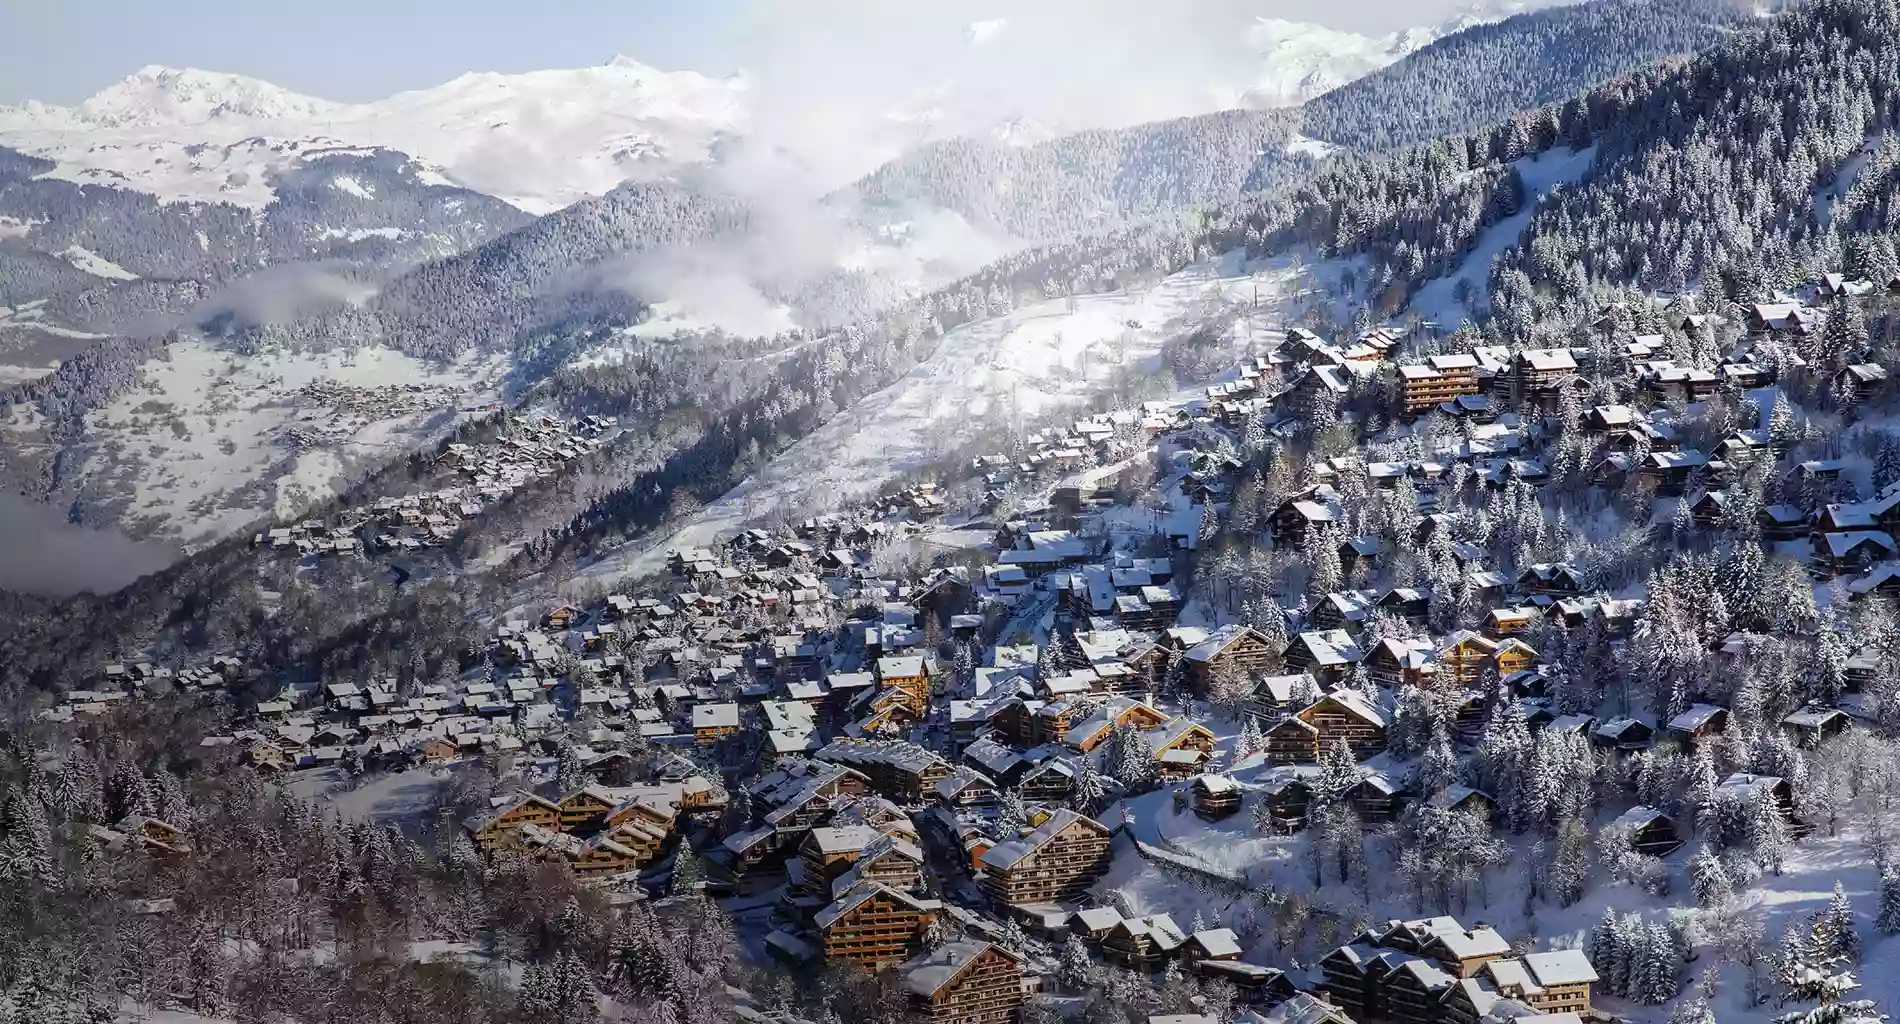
[(1032, 363)]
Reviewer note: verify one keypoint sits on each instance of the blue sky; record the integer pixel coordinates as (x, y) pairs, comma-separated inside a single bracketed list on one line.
[(350, 50)]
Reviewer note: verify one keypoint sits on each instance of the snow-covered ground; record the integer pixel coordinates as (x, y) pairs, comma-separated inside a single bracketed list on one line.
[(539, 140), (198, 448), (1030, 363), (96, 265), (1438, 299)]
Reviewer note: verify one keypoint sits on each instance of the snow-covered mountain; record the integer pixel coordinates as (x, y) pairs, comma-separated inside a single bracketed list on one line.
[(539, 140), (543, 139), (1299, 60)]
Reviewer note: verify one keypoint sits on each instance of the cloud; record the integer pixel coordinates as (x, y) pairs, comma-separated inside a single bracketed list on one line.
[(981, 32), (283, 294), (44, 554)]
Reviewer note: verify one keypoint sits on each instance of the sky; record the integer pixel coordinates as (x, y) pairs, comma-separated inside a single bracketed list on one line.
[(61, 51)]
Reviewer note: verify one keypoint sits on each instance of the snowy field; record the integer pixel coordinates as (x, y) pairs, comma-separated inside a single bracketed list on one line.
[(199, 449), (30, 347), (1032, 362)]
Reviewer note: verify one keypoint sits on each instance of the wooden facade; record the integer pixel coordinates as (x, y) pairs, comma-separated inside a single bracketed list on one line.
[(965, 982), (874, 926), (1059, 860)]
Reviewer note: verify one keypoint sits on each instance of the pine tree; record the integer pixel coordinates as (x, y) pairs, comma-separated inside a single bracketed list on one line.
[(1569, 871), (1767, 831), (1600, 945), (1835, 930), (568, 775), (1888, 918), (1661, 964), (1013, 937), (1076, 969), (1338, 773), (1708, 879)]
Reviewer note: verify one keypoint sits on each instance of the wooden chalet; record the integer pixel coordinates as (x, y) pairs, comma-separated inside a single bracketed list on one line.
[(1813, 723), (1651, 832), (873, 926), (493, 831), (1214, 796), (1698, 723), (1552, 982), (1143, 943), (1231, 648), (965, 982), (1300, 518), (1058, 860)]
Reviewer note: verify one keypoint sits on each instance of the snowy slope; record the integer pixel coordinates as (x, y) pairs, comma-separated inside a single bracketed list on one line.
[(1032, 363), (539, 140), (1299, 61)]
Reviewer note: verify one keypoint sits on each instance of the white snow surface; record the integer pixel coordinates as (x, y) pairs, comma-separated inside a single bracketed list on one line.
[(96, 265), (540, 140), (198, 444), (1032, 362), (1299, 60)]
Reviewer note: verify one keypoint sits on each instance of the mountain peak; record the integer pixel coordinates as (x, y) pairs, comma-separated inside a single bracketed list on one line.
[(157, 95)]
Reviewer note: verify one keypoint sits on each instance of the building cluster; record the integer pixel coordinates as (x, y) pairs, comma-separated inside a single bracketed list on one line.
[(908, 758), (485, 473), (1433, 970)]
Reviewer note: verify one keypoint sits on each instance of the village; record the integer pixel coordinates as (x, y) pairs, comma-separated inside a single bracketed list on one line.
[(940, 775), (527, 450)]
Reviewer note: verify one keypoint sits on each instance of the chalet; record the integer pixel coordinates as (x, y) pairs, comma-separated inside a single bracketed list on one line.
[(1376, 797), (1424, 386), (1327, 656), (1463, 656), (1291, 740), (1852, 552), (872, 925), (1860, 381), (1094, 923), (1746, 787), (1287, 797), (1555, 580), (965, 982), (1781, 318), (1697, 723), (1298, 518), (1538, 372), (1554, 982), (1623, 734), (1051, 782), (1231, 648), (1059, 860), (1345, 715), (1181, 746), (1813, 723), (156, 836), (714, 722), (1393, 661), (1651, 832), (1275, 696), (1143, 943), (1214, 796), (494, 831), (964, 787)]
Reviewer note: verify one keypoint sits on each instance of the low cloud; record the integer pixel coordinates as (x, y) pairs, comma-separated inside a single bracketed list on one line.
[(283, 294), (46, 555)]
